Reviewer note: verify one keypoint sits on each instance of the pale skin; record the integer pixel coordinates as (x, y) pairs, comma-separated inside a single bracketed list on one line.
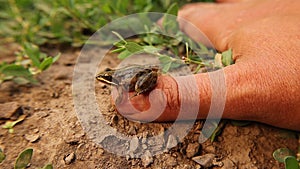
[(264, 83)]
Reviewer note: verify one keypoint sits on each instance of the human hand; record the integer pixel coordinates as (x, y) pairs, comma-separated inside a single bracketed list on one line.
[(262, 85)]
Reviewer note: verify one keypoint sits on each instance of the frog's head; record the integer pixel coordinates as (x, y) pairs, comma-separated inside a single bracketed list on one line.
[(106, 76)]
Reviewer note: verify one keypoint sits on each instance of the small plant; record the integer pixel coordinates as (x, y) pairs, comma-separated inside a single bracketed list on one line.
[(172, 47), (286, 156), (29, 62), (10, 124), (23, 159)]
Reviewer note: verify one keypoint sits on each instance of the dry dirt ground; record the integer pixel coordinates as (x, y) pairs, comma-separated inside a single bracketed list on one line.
[(54, 132)]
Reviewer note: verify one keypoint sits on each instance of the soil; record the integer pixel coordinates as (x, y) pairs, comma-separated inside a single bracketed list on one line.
[(53, 130)]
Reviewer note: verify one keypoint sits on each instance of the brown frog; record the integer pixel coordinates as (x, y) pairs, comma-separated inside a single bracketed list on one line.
[(135, 78)]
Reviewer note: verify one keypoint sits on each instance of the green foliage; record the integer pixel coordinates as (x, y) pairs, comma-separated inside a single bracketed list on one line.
[(290, 162), (281, 153), (29, 61), (286, 156), (23, 159), (35, 23), (10, 124), (227, 57), (56, 21), (170, 45)]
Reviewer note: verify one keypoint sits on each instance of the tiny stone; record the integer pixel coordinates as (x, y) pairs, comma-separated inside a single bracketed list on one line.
[(144, 146), (69, 158), (192, 149), (31, 137), (36, 130), (134, 144), (172, 142), (205, 160), (132, 130), (147, 158), (197, 166), (127, 157)]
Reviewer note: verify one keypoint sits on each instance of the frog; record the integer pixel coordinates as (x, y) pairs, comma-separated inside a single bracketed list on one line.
[(139, 79)]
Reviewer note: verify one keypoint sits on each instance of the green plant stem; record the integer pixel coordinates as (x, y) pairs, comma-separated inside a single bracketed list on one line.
[(195, 62)]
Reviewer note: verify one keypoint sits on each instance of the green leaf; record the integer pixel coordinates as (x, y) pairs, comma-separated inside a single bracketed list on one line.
[(291, 162), (173, 9), (55, 58), (281, 153), (48, 166), (227, 57), (166, 67), (24, 159), (46, 63), (133, 47), (164, 59), (153, 39), (21, 80), (124, 54), (11, 124), (119, 36), (15, 70), (151, 49), (33, 53), (217, 131), (2, 155)]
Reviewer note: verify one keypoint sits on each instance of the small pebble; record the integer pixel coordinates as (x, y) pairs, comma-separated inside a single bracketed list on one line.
[(172, 142), (192, 149), (134, 144), (147, 159), (69, 158), (205, 160), (32, 137)]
